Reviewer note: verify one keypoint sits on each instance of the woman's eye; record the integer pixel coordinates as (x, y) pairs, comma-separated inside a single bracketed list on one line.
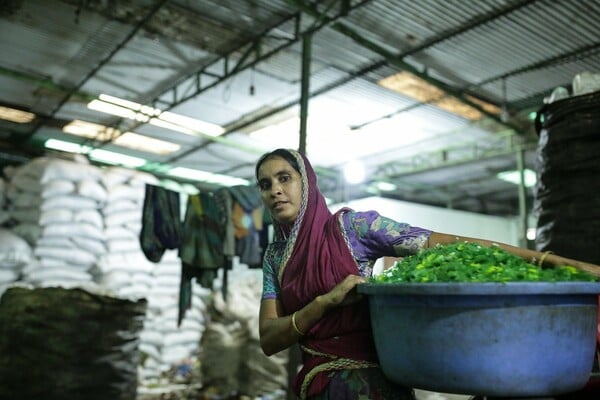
[(263, 185), (284, 178)]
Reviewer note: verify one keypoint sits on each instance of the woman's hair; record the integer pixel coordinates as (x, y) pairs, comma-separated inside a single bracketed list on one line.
[(283, 153)]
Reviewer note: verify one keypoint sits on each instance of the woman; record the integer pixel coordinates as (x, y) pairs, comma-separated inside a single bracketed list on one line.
[(310, 272)]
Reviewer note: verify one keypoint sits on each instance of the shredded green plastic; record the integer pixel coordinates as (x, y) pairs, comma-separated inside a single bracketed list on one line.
[(470, 262)]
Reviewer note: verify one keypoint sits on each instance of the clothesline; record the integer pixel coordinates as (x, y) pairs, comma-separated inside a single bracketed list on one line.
[(216, 226)]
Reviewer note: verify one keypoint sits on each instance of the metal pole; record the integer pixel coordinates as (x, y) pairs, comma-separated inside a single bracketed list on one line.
[(304, 94), (294, 352), (522, 199)]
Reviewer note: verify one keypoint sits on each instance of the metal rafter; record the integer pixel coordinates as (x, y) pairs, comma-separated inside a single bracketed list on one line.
[(443, 158), (244, 122), (397, 60), (251, 54), (75, 89), (244, 64)]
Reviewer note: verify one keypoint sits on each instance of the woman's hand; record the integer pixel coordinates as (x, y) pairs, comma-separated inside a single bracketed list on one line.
[(344, 293), (276, 329)]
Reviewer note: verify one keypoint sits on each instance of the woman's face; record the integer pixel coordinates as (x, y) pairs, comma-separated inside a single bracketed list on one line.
[(280, 187)]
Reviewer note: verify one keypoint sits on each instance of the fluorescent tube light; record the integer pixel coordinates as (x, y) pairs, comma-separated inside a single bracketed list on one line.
[(69, 147), (165, 119), (515, 177), (112, 109), (90, 130), (150, 111), (191, 123), (104, 156), (110, 157), (144, 143), (203, 176), (14, 115), (385, 186), (130, 140)]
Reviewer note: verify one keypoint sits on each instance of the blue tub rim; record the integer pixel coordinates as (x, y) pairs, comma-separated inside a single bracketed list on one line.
[(480, 288)]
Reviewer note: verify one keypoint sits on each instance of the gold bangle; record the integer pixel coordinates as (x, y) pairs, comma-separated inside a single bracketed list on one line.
[(543, 257), (296, 326)]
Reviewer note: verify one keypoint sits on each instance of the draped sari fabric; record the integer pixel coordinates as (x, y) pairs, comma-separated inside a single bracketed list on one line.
[(315, 259)]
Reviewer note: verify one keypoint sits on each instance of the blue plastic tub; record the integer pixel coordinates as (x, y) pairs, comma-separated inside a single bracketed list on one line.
[(504, 340)]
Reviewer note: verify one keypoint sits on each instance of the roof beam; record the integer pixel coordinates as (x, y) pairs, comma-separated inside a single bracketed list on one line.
[(397, 59), (75, 89), (258, 57), (444, 158), (251, 54)]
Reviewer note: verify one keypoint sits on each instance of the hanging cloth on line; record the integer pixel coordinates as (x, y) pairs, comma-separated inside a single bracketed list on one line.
[(161, 222), (201, 250), (247, 216)]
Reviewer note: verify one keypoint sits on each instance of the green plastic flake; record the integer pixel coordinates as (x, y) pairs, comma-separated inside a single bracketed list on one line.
[(470, 262)]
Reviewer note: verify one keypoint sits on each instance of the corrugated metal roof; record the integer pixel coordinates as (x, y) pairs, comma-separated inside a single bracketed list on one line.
[(205, 59)]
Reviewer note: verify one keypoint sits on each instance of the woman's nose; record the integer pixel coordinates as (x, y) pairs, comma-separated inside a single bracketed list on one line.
[(276, 188)]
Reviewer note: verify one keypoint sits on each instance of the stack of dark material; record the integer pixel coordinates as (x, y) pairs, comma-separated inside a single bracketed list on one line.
[(568, 167), (58, 343)]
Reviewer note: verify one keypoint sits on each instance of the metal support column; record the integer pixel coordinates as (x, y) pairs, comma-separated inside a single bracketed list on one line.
[(522, 199), (304, 90), (295, 357)]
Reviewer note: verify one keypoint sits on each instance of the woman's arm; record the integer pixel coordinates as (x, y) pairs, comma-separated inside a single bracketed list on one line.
[(276, 330), (531, 256)]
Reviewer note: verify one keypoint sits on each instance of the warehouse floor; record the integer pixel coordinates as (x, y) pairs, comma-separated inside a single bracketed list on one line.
[(426, 395)]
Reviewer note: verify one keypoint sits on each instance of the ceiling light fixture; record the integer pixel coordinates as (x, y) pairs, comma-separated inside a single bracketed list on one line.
[(128, 139), (515, 177), (146, 114), (14, 115), (150, 111), (69, 147), (203, 176), (147, 144), (193, 124), (354, 172), (90, 130), (385, 186), (100, 155), (110, 157)]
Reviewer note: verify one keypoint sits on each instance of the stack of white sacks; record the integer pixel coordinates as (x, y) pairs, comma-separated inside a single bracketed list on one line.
[(3, 214), (82, 224), (124, 268), (57, 208), (164, 343), (15, 253)]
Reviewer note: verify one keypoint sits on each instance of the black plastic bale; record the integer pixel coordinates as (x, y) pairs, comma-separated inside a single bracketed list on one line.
[(567, 194), (58, 343)]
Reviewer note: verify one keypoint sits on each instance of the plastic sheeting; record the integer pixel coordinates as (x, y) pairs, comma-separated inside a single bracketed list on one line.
[(567, 195)]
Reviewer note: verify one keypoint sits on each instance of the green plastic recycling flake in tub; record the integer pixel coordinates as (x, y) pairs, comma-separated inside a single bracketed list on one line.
[(500, 338)]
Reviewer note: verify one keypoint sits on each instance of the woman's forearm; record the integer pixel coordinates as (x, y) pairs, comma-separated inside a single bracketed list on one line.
[(277, 334)]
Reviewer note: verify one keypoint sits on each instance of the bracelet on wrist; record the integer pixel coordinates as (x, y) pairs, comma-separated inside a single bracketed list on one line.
[(298, 331)]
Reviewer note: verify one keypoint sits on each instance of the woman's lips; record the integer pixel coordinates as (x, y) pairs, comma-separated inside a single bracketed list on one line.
[(278, 204)]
